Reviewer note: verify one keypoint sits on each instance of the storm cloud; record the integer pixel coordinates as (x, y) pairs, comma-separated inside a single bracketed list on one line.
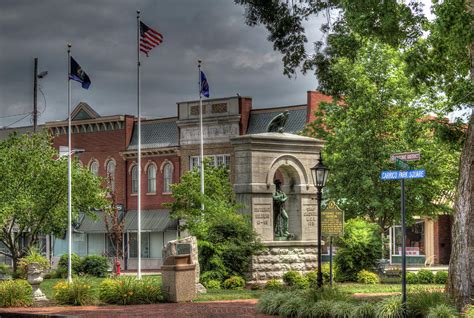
[(236, 58)]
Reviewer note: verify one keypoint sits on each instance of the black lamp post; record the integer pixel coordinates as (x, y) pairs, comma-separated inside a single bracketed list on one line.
[(320, 175)]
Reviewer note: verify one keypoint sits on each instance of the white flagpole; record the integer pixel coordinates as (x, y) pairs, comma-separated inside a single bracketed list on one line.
[(139, 170), (201, 134), (69, 175)]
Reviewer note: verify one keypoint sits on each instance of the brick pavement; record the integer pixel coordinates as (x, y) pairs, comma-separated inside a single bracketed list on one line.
[(214, 309)]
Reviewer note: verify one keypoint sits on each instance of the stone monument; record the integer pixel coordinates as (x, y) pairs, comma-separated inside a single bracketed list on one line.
[(288, 229)]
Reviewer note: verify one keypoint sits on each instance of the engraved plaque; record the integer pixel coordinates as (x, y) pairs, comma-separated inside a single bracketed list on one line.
[(183, 248), (262, 219)]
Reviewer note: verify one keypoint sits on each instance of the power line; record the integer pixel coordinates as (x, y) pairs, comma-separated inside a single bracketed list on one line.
[(16, 115), (28, 114)]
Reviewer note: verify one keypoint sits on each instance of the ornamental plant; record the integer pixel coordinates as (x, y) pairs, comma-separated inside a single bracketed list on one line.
[(32, 257), (15, 293), (127, 290), (359, 248), (234, 282), (366, 277), (76, 293)]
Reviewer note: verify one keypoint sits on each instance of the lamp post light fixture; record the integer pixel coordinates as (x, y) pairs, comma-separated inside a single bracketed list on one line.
[(320, 175)]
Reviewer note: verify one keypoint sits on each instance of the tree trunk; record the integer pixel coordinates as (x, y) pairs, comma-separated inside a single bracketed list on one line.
[(460, 285), (461, 264)]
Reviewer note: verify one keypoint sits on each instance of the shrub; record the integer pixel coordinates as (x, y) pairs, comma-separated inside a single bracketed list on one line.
[(95, 265), (256, 286), (15, 293), (127, 290), (291, 306), (364, 310), (343, 309), (442, 311), (359, 248), (211, 275), (76, 293), (213, 284), (4, 269), (274, 284), (327, 293), (76, 265), (270, 302), (441, 277), (412, 278), (320, 309), (389, 308), (390, 280), (366, 277), (312, 278), (419, 303), (425, 276), (234, 282), (295, 280), (32, 257), (469, 313)]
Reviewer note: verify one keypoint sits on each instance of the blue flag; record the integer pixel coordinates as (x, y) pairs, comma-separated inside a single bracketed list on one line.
[(77, 74), (204, 85)]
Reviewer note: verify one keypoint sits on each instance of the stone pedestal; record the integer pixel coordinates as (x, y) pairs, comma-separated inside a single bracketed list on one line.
[(178, 278), (34, 273), (283, 256)]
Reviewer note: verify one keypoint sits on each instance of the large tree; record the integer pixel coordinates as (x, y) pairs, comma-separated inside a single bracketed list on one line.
[(381, 115), (33, 192), (437, 52)]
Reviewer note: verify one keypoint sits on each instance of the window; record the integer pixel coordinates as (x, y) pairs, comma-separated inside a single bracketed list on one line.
[(167, 177), (133, 245), (94, 167), (216, 161), (111, 174), (151, 173), (135, 179)]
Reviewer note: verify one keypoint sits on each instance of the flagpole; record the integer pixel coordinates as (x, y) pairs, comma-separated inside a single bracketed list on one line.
[(69, 176), (201, 134), (139, 205)]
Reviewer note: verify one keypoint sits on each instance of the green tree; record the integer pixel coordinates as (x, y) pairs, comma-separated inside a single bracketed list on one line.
[(381, 115), (226, 239), (33, 192)]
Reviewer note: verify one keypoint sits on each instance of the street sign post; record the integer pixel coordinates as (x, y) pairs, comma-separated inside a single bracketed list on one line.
[(406, 156), (332, 224), (399, 159)]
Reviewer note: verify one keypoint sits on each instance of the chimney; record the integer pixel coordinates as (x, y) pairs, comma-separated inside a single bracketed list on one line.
[(314, 98)]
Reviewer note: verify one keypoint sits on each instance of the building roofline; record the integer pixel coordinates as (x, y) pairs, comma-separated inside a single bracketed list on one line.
[(279, 108), (213, 99)]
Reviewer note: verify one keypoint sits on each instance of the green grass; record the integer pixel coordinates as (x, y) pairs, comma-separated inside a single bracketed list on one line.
[(215, 295), (222, 294), (353, 288)]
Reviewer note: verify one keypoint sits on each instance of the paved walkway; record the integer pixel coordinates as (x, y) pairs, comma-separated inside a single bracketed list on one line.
[(214, 309)]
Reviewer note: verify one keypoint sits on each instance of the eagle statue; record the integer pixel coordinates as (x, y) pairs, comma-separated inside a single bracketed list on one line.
[(277, 124)]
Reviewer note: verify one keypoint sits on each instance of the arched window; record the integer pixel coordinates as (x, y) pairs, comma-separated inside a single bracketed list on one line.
[(94, 167), (135, 179), (151, 173), (110, 168), (167, 177)]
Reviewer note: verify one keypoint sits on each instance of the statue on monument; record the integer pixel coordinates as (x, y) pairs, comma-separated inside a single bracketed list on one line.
[(277, 124), (280, 215)]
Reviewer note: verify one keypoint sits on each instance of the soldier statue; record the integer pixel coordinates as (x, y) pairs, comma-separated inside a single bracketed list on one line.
[(280, 215), (277, 124)]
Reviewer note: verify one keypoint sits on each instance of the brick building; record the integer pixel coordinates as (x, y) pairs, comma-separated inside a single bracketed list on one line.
[(107, 146)]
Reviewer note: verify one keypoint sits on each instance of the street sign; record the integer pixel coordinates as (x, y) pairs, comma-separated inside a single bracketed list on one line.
[(332, 220), (402, 165), (396, 175), (405, 156)]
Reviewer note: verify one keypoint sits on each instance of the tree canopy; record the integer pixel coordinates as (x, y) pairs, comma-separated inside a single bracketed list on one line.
[(33, 192)]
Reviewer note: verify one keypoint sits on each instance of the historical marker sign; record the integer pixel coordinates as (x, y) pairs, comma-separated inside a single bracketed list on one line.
[(332, 220), (405, 156), (396, 175)]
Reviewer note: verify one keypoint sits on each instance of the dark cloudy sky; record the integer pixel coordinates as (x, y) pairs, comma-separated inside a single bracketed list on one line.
[(237, 58)]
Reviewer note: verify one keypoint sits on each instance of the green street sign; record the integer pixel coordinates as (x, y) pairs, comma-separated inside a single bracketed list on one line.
[(402, 165), (332, 220)]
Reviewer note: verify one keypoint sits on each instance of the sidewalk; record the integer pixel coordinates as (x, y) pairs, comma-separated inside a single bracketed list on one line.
[(214, 309)]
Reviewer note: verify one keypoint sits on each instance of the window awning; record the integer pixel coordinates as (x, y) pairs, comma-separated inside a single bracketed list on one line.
[(152, 221)]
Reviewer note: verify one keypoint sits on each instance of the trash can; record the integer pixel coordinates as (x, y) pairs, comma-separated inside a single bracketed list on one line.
[(178, 278)]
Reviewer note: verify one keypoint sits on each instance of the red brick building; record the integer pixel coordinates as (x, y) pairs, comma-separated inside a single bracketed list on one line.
[(107, 146)]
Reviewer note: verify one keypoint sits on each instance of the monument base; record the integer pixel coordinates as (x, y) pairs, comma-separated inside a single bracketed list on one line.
[(283, 256)]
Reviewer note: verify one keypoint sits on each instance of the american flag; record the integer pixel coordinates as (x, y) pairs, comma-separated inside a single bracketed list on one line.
[(149, 38)]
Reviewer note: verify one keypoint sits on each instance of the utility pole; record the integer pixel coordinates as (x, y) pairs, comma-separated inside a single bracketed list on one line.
[(35, 95)]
